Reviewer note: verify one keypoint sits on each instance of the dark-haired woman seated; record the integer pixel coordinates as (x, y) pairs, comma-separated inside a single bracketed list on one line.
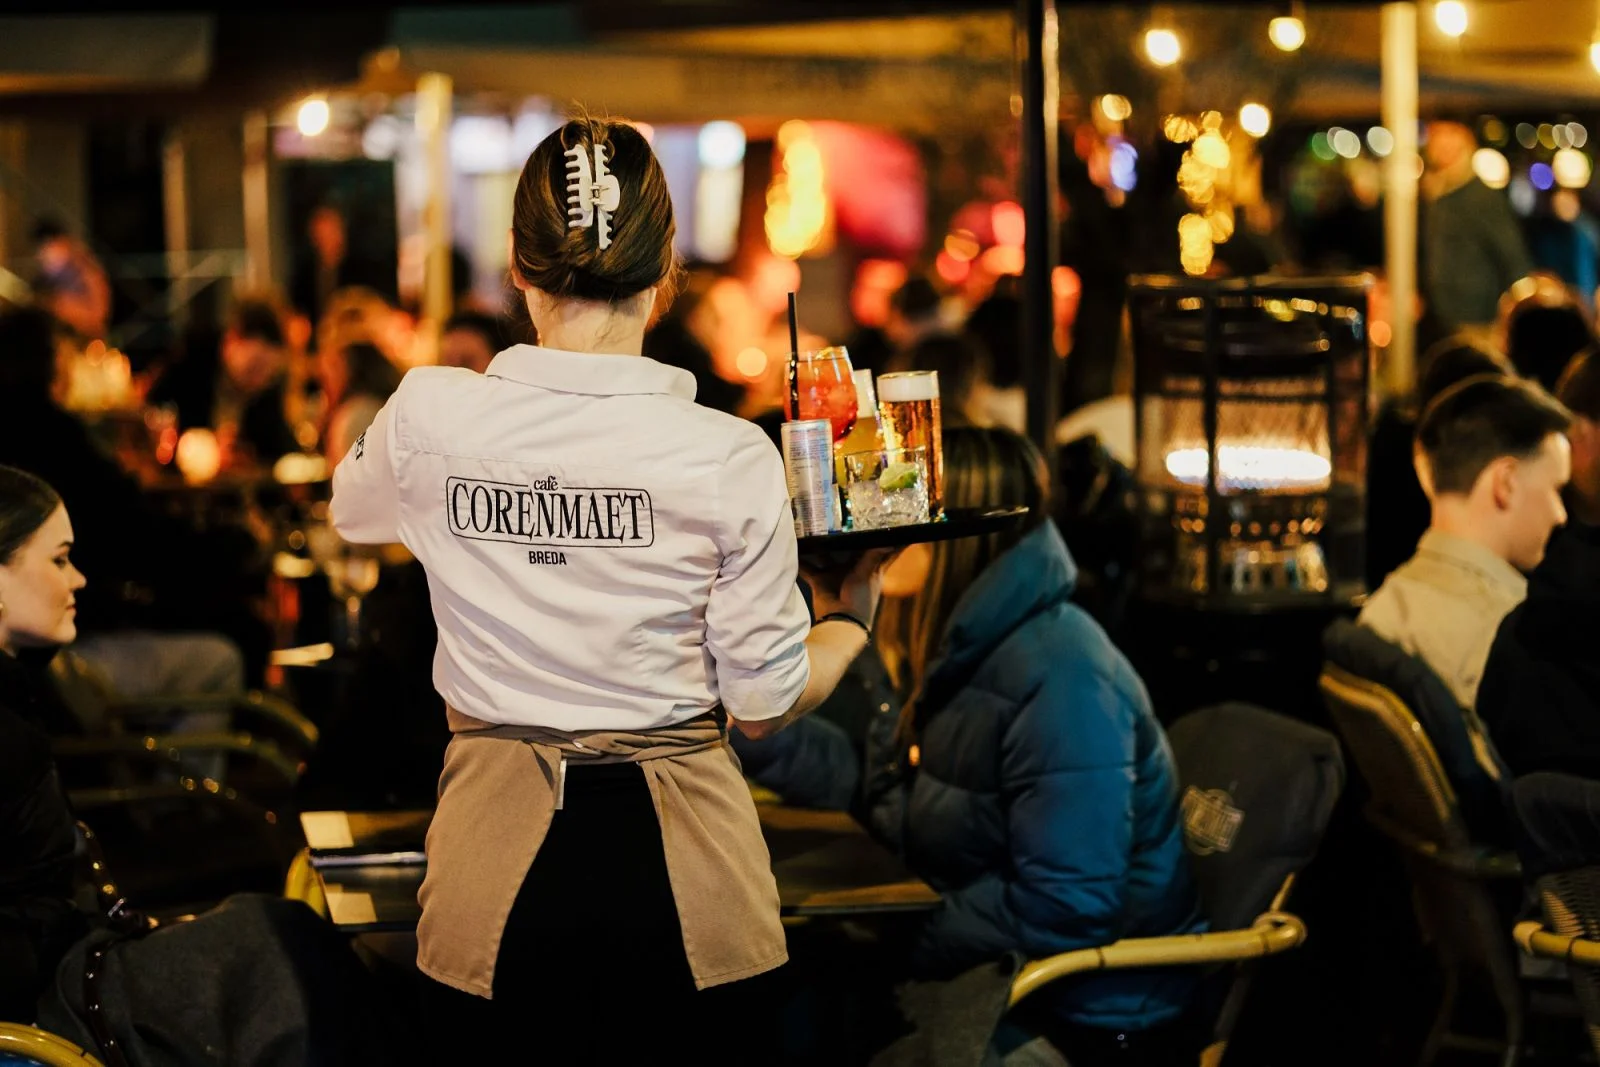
[(1027, 777), (256, 982)]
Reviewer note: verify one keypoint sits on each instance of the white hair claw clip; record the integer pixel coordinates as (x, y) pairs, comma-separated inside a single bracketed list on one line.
[(591, 192)]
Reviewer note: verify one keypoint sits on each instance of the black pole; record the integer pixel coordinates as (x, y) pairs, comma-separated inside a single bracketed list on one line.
[(1039, 35)]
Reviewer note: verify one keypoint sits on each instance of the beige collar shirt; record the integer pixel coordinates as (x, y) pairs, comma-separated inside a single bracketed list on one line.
[(1444, 605)]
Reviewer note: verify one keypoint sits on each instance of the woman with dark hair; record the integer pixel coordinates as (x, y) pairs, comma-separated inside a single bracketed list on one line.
[(613, 572), (179, 995), (38, 592), (1027, 777)]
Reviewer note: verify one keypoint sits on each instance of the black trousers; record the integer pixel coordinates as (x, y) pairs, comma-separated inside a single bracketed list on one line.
[(591, 967)]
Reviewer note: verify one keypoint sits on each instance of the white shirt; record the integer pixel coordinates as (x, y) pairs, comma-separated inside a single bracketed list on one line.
[(602, 553)]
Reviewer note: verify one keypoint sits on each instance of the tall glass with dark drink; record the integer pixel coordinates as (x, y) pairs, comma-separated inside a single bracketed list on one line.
[(908, 410)]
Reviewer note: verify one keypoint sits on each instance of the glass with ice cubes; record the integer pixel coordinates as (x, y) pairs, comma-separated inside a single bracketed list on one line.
[(886, 488)]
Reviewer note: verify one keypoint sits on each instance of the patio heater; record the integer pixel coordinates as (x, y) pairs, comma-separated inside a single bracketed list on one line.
[(1251, 409)]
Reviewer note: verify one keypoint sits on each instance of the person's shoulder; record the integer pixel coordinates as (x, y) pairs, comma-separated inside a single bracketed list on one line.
[(24, 748), (434, 398), (1382, 604), (1063, 649), (734, 438), (437, 387)]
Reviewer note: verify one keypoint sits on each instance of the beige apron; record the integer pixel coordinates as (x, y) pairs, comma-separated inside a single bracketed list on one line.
[(500, 787)]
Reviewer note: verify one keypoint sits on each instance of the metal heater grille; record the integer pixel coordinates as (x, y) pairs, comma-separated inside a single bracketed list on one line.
[(1265, 382)]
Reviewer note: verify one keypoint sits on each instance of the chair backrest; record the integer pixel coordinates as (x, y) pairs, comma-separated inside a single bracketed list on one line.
[(1407, 783), (1258, 789), (1409, 792), (1560, 845), (1444, 723)]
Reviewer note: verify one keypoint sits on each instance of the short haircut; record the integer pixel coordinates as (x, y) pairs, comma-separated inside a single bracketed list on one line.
[(1579, 388), (1480, 420), (485, 326), (1453, 361), (256, 320)]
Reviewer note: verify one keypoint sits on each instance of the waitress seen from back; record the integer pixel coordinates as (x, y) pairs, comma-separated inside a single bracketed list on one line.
[(610, 564)]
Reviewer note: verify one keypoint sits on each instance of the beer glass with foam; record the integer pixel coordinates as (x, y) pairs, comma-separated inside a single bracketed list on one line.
[(908, 411)]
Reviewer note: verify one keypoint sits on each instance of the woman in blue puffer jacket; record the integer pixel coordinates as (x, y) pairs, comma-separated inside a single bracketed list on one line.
[(1026, 777)]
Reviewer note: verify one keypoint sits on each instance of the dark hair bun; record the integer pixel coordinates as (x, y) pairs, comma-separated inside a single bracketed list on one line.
[(567, 261)]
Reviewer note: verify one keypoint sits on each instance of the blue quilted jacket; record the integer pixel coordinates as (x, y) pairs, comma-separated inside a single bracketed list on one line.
[(1044, 805)]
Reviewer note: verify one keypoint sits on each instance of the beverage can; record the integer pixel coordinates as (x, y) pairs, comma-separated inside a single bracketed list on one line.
[(808, 466)]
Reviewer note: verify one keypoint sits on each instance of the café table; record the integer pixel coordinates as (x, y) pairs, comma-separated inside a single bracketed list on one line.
[(368, 866)]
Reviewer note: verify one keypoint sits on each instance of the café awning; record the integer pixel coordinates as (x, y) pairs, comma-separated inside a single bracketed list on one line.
[(95, 53), (926, 72)]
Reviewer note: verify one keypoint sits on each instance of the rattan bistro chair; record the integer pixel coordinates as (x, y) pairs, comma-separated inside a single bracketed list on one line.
[(1560, 816), (1413, 804), (1258, 790), (30, 1045)]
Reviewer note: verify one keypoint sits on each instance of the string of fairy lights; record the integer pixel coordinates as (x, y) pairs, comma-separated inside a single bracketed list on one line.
[(1555, 160)]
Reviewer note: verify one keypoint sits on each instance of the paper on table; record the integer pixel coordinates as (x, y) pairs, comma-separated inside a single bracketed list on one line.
[(350, 909), (326, 829)]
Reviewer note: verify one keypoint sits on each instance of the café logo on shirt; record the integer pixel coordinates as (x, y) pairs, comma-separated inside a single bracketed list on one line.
[(545, 513)]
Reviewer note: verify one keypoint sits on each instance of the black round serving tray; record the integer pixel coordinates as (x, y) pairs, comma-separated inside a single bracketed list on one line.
[(955, 523)]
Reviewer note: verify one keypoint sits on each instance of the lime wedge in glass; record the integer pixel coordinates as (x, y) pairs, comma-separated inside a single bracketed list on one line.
[(899, 476)]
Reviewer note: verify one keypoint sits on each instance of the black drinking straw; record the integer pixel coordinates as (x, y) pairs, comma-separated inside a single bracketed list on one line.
[(794, 361)]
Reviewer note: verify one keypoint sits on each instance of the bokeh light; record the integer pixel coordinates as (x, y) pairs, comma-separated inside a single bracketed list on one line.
[(1571, 168), (1009, 222), (1451, 17), (1286, 33), (313, 116), (1491, 167), (721, 144), (1115, 107), (1255, 119), (1162, 47)]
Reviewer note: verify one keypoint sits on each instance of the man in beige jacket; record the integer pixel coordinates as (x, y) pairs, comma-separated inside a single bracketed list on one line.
[(1492, 456)]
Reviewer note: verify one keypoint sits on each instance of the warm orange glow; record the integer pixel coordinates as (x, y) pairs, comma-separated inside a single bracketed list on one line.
[(1381, 333), (1009, 222), (961, 245), (1002, 259), (1065, 283), (752, 363), (199, 455), (952, 270), (876, 279), (798, 212)]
